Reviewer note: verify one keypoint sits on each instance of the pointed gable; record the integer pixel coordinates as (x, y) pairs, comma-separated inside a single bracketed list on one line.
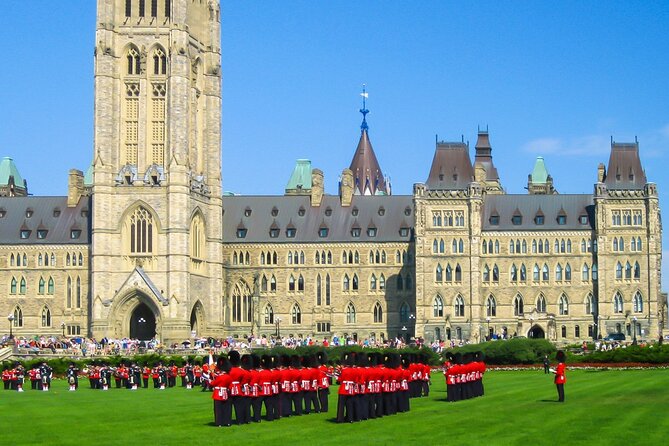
[(451, 167), (625, 171)]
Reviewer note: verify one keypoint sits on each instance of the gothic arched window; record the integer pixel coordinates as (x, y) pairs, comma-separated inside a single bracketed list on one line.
[(518, 305), (141, 231), (438, 307), (378, 313), (350, 313)]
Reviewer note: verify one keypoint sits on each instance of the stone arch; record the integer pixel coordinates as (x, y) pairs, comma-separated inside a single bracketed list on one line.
[(123, 309), (536, 332), (197, 318)]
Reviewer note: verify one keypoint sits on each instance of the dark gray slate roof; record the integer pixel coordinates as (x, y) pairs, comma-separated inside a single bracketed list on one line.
[(451, 167), (44, 215), (625, 171), (528, 206), (397, 213)]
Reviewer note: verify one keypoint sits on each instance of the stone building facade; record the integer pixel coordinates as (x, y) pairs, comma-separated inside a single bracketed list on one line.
[(147, 244)]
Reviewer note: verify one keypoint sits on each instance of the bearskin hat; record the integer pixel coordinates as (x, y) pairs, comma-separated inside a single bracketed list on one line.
[(247, 362), (224, 364), (255, 359), (322, 357), (560, 356), (235, 358)]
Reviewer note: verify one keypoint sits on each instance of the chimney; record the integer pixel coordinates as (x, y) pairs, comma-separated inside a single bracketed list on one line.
[(317, 188), (346, 187), (75, 187), (601, 173)]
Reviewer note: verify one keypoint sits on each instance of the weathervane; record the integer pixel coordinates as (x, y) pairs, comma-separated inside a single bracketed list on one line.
[(364, 110)]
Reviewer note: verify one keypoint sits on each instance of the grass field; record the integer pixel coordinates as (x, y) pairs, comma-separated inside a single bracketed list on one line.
[(602, 408)]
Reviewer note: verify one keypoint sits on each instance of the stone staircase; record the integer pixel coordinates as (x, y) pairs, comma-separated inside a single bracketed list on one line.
[(5, 353)]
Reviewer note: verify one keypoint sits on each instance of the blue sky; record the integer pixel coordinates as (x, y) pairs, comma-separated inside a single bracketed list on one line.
[(556, 79)]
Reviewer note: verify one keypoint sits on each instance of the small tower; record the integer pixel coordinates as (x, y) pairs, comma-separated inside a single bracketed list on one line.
[(367, 175), (300, 180), (11, 182), (485, 171), (539, 182)]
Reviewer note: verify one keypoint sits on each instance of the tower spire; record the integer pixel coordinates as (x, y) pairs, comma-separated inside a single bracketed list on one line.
[(364, 110)]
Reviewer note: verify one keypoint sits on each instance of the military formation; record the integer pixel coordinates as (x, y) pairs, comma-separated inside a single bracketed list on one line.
[(246, 387), (464, 376)]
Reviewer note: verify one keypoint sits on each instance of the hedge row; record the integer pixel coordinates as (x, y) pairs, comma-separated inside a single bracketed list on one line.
[(513, 351), (60, 365)]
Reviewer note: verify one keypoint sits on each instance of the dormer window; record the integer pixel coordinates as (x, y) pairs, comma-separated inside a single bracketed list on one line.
[(517, 220), (583, 219), (539, 220), (56, 213), (25, 233), (355, 232), (29, 213), (371, 232), (354, 212), (241, 233), (328, 211), (301, 211), (75, 234), (494, 220), (382, 211), (562, 219), (274, 232), (247, 212), (84, 212), (404, 232), (41, 233), (290, 232), (407, 211), (3, 212), (323, 232), (441, 177), (275, 212)]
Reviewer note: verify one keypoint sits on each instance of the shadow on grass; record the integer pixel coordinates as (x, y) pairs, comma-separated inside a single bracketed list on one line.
[(548, 401)]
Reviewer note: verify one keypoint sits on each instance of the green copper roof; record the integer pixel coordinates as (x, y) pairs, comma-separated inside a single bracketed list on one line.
[(88, 176), (301, 177), (7, 169), (539, 174)]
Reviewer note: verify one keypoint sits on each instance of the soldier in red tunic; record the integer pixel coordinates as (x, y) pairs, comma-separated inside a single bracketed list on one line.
[(323, 382), (347, 390), (560, 378), (221, 394)]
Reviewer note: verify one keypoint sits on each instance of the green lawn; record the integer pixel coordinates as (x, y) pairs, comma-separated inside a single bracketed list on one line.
[(602, 407)]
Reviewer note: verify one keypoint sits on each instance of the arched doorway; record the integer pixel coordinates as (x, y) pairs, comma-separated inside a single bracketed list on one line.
[(142, 323), (536, 332)]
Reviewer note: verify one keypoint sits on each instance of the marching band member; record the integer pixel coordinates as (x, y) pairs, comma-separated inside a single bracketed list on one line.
[(72, 374)]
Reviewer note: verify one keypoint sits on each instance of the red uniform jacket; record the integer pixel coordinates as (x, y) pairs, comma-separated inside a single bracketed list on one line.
[(560, 377)]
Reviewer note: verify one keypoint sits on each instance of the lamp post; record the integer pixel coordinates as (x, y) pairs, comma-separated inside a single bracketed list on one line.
[(10, 318), (487, 319), (277, 322), (62, 327), (412, 322), (634, 330)]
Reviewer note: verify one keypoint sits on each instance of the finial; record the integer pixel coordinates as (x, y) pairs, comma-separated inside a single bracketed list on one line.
[(364, 110)]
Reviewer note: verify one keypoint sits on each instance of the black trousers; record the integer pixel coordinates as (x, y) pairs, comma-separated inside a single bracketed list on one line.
[(345, 408), (286, 400), (323, 395), (311, 399), (560, 390), (222, 413), (297, 402), (256, 405)]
